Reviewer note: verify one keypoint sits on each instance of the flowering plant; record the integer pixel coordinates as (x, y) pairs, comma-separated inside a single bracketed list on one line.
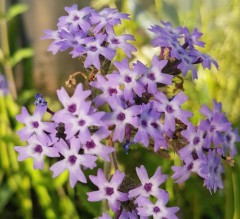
[(123, 104)]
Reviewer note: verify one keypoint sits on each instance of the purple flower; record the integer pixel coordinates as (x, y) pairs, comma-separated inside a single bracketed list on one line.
[(115, 42), (129, 78), (192, 38), (72, 161), (108, 190), (92, 145), (106, 19), (229, 142), (76, 18), (94, 50), (72, 105), (213, 180), (105, 216), (172, 110), (182, 173), (33, 124), (150, 126), (197, 141), (3, 85), (158, 210), (121, 116), (149, 186), (128, 215), (109, 87), (37, 149), (154, 75)]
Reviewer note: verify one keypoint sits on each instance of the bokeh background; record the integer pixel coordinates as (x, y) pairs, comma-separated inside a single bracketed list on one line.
[(29, 194)]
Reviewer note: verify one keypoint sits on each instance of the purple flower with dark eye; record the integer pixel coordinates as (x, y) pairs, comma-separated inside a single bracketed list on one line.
[(129, 78), (108, 189), (197, 141), (182, 173), (128, 215), (37, 149), (106, 19), (34, 124), (158, 210), (229, 142), (115, 42), (75, 18), (72, 105), (149, 126), (93, 145), (192, 38), (72, 161), (213, 180), (171, 109), (154, 75), (109, 86), (94, 49), (121, 116), (149, 186)]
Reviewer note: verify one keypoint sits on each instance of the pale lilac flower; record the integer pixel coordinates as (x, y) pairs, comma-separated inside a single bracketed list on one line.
[(149, 186), (115, 42), (158, 210), (121, 116), (93, 145), (149, 126), (154, 75), (105, 216), (94, 49), (34, 124), (106, 19), (197, 141), (128, 215), (129, 78), (72, 105), (108, 189), (182, 173), (37, 149), (213, 180), (3, 85), (172, 110), (72, 161), (229, 142), (108, 85)]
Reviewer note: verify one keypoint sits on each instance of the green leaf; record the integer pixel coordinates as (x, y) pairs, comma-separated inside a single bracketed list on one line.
[(16, 10), (5, 195), (21, 54), (170, 12)]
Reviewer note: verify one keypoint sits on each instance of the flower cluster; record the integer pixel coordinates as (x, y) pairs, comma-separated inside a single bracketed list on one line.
[(3, 85), (127, 105)]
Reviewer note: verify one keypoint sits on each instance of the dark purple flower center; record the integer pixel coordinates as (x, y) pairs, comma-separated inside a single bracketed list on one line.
[(35, 124), (72, 159), (151, 76), (169, 109), (154, 125), (76, 18), (128, 79), (212, 128), (93, 48), (109, 191), (196, 140), (112, 91), (115, 41), (190, 166), (38, 149), (148, 187), (81, 122), (156, 209), (121, 116), (228, 138), (74, 42), (90, 144), (144, 123), (72, 108)]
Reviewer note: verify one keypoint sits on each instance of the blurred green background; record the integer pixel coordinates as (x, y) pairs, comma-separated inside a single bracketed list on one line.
[(28, 194)]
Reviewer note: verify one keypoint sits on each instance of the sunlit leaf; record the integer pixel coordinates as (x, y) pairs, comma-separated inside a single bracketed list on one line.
[(21, 54), (16, 10)]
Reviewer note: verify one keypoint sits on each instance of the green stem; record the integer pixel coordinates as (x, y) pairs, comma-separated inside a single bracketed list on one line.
[(236, 191), (6, 51)]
